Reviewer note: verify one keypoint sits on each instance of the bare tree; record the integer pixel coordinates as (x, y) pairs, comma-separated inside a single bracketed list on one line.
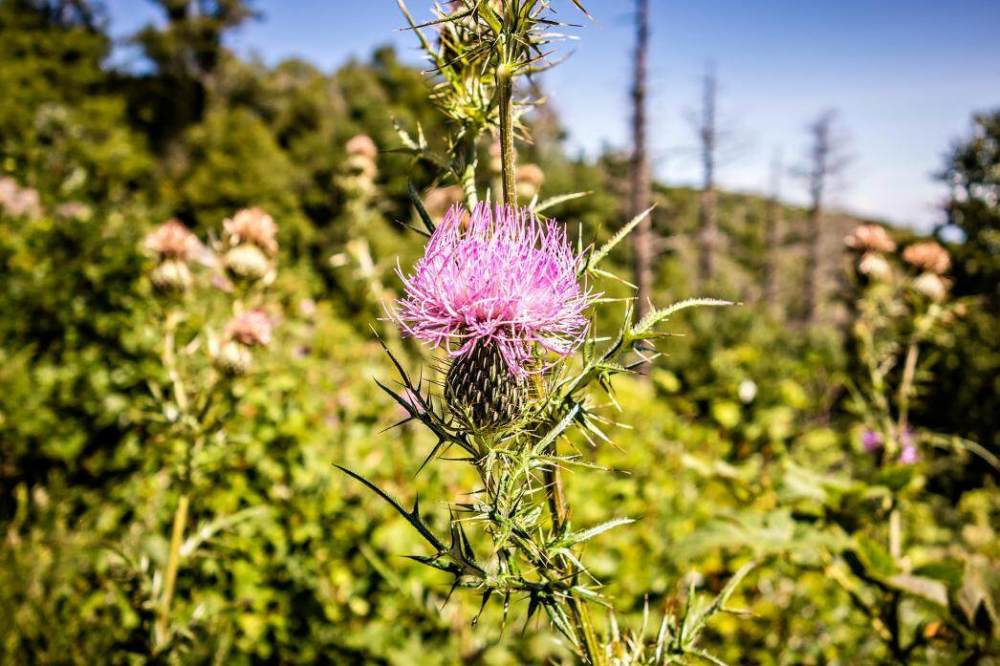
[(825, 160), (708, 136), (772, 233), (641, 188)]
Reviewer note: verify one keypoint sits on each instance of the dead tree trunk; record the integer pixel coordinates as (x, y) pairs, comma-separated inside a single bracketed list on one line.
[(772, 236), (640, 195), (708, 226), (821, 167)]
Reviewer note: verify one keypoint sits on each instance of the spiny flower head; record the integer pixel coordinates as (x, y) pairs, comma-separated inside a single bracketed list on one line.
[(172, 240), (928, 256), (499, 276), (870, 238), (251, 328), (253, 226)]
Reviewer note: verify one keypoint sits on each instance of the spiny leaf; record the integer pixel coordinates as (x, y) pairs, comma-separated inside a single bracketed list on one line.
[(656, 316), (560, 428), (598, 256), (419, 205), (556, 200), (586, 535)]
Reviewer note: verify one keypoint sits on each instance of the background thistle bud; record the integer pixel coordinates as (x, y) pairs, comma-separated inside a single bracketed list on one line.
[(363, 146), (931, 285), (928, 256), (172, 275), (233, 358), (875, 266), (247, 261), (481, 391)]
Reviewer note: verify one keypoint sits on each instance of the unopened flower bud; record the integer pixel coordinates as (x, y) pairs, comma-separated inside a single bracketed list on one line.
[(247, 261), (874, 266), (233, 358), (172, 275), (931, 285)]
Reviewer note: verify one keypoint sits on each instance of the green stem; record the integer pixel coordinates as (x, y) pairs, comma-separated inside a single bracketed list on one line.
[(505, 88), (905, 386), (173, 564)]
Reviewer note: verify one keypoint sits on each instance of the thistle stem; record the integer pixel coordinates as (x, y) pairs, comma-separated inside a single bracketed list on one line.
[(906, 385), (505, 89), (173, 564), (584, 625)]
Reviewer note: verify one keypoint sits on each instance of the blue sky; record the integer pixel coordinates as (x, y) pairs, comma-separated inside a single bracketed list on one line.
[(904, 76)]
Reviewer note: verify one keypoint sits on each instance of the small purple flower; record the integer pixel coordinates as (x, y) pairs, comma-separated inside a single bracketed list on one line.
[(500, 277), (871, 441), (909, 455)]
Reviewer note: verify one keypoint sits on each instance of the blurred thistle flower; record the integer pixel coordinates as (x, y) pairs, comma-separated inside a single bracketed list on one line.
[(440, 199), (870, 238), (875, 266), (252, 226), (933, 286), (928, 256), (74, 210), (530, 178), (245, 331), (252, 328), (494, 287), (871, 440), (172, 240), (362, 145), (19, 201), (361, 167), (909, 455)]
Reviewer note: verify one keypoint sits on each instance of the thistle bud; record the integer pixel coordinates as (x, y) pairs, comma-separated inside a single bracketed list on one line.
[(931, 285), (874, 266), (247, 261), (361, 166), (482, 393), (233, 358), (172, 276)]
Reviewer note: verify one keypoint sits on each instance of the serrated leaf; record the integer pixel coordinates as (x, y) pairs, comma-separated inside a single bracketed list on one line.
[(599, 255), (646, 324), (574, 538)]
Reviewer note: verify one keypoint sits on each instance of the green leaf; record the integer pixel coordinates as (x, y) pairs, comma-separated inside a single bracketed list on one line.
[(646, 324), (556, 200), (599, 256), (574, 538), (875, 558), (419, 205), (928, 589)]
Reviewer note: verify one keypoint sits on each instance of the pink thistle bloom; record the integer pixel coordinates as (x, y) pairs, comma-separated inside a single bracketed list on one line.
[(172, 240), (251, 328), (252, 225), (500, 276)]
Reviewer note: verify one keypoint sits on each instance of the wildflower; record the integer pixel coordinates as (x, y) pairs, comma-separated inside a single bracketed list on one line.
[(246, 331), (172, 240), (362, 145), (529, 180), (870, 238), (496, 287), (252, 328), (928, 256), (909, 455), (875, 266), (932, 286), (174, 246), (747, 391), (252, 226), (871, 441), (19, 201)]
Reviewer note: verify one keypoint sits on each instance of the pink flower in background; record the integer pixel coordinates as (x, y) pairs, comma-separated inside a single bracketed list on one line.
[(871, 441), (909, 455), (251, 328), (254, 226), (928, 256), (501, 276), (172, 240)]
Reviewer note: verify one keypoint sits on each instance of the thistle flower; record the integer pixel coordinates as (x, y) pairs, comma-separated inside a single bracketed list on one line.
[(252, 226), (909, 455), (871, 441), (494, 287), (529, 180), (875, 266), (172, 240), (246, 330), (870, 238), (252, 328), (931, 285), (362, 145), (928, 256)]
